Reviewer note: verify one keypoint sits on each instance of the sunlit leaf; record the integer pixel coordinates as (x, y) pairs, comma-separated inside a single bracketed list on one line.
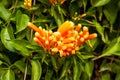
[(36, 70), (21, 21), (8, 75), (1, 62), (106, 76), (110, 11), (89, 66), (20, 64), (98, 3), (49, 74), (20, 45), (4, 13), (6, 37)]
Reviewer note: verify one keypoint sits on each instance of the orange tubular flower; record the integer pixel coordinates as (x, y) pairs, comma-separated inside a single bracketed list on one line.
[(28, 4), (65, 41)]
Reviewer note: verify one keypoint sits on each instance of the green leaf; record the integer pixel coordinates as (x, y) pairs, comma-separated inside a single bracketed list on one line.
[(57, 16), (64, 69), (20, 64), (89, 66), (1, 62), (36, 70), (105, 66), (20, 45), (54, 63), (100, 30), (117, 76), (73, 8), (110, 11), (98, 3), (49, 74), (8, 75), (106, 76), (44, 2), (76, 69), (4, 13), (112, 49), (4, 58), (6, 37), (86, 55), (21, 21), (85, 4)]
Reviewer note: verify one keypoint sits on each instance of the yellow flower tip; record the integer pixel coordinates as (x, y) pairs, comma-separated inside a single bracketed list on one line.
[(91, 36), (64, 47), (47, 42), (73, 51), (95, 35), (55, 50), (37, 34), (85, 28), (35, 39), (86, 36), (82, 39), (77, 48), (61, 53)]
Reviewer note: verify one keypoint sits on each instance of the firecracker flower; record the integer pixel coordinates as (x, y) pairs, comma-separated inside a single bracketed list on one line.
[(56, 1), (28, 4), (65, 41)]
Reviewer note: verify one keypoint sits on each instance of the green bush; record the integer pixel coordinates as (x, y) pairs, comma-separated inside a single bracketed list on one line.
[(22, 59)]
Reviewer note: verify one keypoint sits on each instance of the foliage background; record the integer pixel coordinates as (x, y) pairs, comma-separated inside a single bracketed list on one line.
[(23, 59)]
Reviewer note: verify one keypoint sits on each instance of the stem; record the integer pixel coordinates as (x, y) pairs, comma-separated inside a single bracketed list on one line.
[(31, 35), (26, 68), (8, 23)]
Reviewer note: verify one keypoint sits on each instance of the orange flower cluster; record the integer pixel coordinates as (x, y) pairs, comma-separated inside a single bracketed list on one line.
[(56, 1), (66, 40), (28, 4)]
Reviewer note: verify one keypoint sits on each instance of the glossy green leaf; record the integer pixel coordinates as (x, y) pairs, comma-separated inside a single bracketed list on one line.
[(54, 63), (6, 37), (4, 13), (20, 45), (110, 12), (105, 66), (85, 4), (64, 69), (73, 8), (106, 76), (8, 75), (89, 66), (49, 74), (76, 69), (98, 3), (1, 62), (100, 30), (44, 1), (112, 49), (57, 16), (21, 21), (117, 76), (20, 64), (36, 70), (4, 58)]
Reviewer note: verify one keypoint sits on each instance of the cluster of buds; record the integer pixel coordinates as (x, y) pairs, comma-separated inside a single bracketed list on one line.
[(28, 4), (56, 1), (65, 41)]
